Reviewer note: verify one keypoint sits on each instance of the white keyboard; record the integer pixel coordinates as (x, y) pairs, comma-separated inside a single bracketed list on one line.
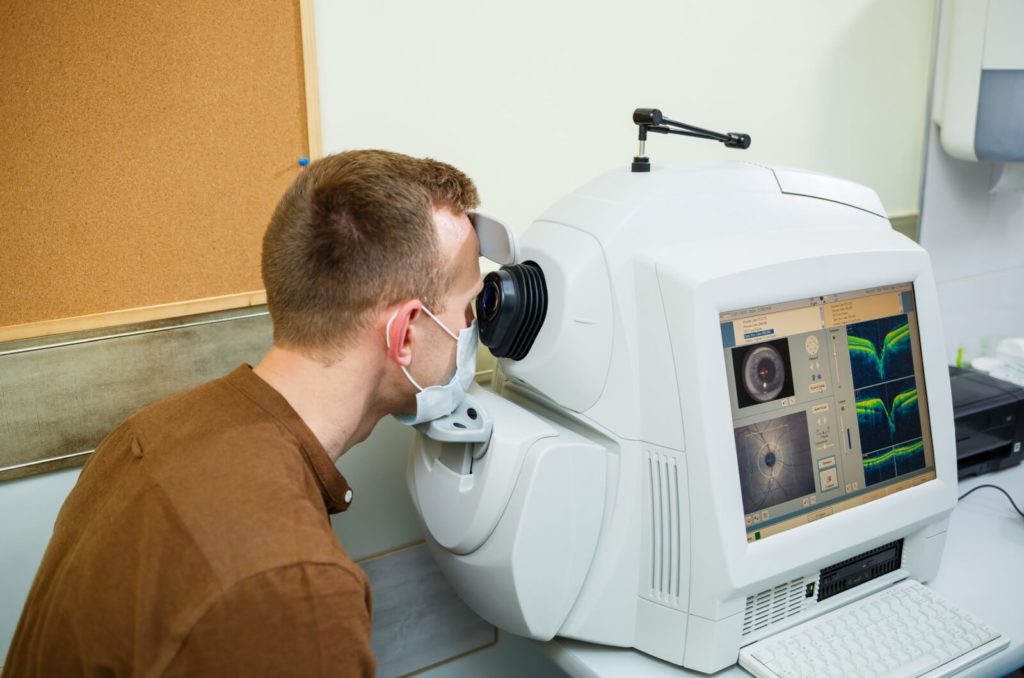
[(905, 630)]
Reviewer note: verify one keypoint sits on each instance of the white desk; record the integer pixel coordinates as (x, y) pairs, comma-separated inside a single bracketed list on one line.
[(982, 571)]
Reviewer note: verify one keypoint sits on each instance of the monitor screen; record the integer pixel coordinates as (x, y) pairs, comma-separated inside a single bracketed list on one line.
[(829, 406)]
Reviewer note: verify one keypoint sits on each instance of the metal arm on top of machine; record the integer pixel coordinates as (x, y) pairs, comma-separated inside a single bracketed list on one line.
[(652, 120)]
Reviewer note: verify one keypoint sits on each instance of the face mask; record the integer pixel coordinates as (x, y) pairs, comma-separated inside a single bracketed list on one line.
[(438, 401)]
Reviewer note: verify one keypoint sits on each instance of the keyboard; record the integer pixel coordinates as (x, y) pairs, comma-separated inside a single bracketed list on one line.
[(905, 630)]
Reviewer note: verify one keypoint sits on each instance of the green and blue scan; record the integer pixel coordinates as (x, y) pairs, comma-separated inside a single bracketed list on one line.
[(888, 417)]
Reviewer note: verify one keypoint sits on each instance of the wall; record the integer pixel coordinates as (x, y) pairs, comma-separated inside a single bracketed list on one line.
[(534, 98), (976, 242), (28, 508)]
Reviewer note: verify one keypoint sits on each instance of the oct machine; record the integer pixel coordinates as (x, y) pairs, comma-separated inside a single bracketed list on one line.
[(722, 409)]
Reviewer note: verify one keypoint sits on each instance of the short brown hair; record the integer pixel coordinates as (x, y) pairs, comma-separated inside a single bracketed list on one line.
[(355, 233)]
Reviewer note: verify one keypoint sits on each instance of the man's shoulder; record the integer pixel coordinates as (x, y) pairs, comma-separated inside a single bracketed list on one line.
[(236, 479), (250, 505), (213, 422), (211, 399)]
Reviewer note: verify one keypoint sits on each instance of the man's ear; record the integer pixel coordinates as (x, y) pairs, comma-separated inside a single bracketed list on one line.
[(400, 331)]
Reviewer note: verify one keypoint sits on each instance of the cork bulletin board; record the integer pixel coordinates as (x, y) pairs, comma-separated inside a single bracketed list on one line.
[(143, 146)]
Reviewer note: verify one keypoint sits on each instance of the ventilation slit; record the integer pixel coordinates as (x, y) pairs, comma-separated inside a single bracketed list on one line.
[(666, 531), (655, 526), (676, 538), (774, 605), (665, 522)]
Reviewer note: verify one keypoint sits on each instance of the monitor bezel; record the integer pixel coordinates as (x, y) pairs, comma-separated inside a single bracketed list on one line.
[(695, 291)]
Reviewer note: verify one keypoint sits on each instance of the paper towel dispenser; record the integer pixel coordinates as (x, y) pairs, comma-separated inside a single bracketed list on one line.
[(979, 95)]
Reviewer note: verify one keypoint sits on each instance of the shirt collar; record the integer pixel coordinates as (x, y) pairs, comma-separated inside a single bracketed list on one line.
[(334, 488)]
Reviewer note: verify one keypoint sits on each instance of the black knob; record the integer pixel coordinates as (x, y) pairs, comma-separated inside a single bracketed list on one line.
[(647, 116)]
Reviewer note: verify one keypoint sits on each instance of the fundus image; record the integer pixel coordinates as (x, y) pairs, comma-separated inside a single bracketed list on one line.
[(775, 461)]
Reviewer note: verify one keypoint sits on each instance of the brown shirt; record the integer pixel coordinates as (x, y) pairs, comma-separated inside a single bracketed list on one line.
[(197, 543)]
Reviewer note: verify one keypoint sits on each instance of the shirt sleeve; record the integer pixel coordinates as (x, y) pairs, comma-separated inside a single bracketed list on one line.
[(299, 620)]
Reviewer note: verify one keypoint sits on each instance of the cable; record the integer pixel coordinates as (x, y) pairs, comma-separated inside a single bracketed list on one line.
[(994, 487)]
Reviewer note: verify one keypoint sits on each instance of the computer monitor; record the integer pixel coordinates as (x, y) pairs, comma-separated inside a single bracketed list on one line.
[(829, 408)]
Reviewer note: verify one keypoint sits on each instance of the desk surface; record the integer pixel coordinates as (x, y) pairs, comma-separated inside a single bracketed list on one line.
[(982, 571)]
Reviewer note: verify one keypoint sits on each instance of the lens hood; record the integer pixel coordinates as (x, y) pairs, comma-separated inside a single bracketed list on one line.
[(511, 309)]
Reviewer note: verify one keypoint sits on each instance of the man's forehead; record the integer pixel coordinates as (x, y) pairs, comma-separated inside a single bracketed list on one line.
[(493, 238), (464, 271), (459, 243), (451, 227), (467, 249)]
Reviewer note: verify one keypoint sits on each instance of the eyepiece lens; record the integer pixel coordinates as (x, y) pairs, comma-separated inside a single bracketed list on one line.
[(490, 300)]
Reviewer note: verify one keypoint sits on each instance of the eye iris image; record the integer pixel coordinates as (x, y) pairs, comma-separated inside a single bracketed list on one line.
[(762, 372)]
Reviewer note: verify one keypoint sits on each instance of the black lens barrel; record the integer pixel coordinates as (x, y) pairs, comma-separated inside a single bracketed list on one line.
[(511, 309)]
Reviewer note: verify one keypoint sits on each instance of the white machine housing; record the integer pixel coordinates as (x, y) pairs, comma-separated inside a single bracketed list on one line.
[(606, 506)]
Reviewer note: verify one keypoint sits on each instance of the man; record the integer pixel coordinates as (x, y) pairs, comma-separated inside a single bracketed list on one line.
[(197, 540)]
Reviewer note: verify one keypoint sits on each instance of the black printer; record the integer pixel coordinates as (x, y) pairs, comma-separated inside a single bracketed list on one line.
[(988, 415)]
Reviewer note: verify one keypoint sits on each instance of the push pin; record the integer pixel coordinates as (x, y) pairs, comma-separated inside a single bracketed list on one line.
[(303, 161)]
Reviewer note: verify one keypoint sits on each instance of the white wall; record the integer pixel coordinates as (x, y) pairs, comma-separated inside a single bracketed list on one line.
[(533, 98), (975, 239), (976, 243), (28, 509)]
